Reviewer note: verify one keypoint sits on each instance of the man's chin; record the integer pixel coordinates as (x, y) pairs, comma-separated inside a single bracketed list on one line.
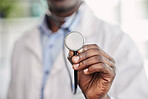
[(63, 5), (63, 9)]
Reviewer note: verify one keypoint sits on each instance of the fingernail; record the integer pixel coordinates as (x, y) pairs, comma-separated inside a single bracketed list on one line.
[(76, 58), (81, 50), (85, 70), (76, 65)]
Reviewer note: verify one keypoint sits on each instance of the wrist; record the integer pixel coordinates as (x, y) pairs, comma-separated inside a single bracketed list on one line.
[(104, 97)]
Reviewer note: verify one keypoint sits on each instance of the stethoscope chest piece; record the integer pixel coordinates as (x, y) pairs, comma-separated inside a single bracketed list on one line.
[(74, 41)]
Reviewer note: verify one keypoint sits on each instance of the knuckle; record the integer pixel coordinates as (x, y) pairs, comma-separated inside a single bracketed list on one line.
[(111, 72), (112, 59), (99, 57), (83, 55), (85, 47), (113, 75), (114, 71), (103, 66), (83, 63), (96, 69), (96, 50), (96, 58), (95, 45), (91, 68), (100, 67), (113, 66)]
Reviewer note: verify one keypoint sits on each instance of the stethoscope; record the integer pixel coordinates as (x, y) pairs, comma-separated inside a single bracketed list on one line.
[(74, 41)]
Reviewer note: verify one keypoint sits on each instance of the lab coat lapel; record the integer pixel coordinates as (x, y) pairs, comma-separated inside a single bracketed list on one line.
[(33, 43)]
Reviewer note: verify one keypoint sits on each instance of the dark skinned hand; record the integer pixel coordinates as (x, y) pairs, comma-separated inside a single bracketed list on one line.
[(96, 71)]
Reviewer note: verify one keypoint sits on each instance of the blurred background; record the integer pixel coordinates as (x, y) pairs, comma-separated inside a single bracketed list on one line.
[(17, 16)]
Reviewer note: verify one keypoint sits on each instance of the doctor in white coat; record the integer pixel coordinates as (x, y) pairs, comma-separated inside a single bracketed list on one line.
[(109, 65)]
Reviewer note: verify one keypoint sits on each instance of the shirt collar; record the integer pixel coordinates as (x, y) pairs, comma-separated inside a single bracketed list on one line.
[(70, 23)]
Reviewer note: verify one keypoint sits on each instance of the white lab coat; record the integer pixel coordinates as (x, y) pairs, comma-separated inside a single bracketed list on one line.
[(27, 69)]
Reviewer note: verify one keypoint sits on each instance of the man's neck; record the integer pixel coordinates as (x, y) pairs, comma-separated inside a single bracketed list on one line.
[(55, 24)]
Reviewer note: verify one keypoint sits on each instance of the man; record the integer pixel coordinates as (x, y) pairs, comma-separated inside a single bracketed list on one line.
[(38, 66)]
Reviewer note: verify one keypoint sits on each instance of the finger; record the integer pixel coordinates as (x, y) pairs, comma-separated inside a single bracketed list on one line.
[(70, 53), (69, 57), (102, 68), (87, 54), (92, 60), (97, 49), (107, 73), (109, 63), (87, 47), (85, 63)]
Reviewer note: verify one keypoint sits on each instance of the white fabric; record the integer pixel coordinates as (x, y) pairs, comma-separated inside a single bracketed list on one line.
[(112, 97), (26, 81)]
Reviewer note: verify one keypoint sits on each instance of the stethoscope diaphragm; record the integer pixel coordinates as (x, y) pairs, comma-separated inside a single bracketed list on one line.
[(74, 41)]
